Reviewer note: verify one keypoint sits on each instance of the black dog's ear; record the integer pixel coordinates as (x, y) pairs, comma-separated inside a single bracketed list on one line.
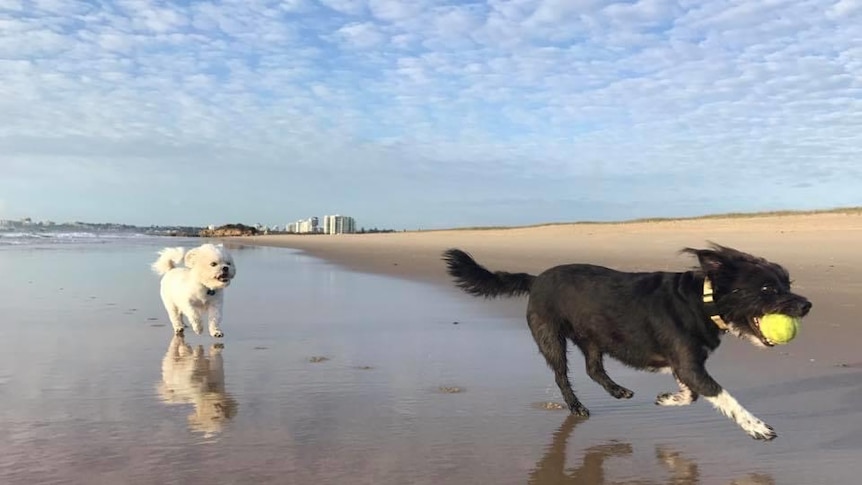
[(710, 260)]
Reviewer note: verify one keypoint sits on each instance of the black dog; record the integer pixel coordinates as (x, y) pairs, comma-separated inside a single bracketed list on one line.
[(658, 321)]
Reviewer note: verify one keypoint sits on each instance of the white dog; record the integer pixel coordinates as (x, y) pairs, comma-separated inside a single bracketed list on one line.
[(196, 289)]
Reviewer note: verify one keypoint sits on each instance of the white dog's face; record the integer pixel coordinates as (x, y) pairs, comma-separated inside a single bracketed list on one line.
[(211, 265)]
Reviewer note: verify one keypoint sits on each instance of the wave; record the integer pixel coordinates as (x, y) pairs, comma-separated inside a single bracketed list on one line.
[(20, 238)]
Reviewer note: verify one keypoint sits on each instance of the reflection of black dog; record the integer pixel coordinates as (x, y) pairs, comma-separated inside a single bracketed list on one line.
[(655, 321), (551, 468)]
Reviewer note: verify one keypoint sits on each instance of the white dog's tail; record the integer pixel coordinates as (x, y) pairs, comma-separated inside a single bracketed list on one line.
[(169, 258)]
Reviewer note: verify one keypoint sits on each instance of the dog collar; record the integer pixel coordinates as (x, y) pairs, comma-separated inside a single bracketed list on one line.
[(210, 291), (711, 308)]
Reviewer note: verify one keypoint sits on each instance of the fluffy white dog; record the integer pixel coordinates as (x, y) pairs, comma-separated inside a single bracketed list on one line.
[(197, 288)]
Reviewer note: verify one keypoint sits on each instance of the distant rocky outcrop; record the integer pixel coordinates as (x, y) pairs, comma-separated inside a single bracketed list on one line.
[(228, 230)]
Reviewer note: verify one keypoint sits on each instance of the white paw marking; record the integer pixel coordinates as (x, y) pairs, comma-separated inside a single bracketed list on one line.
[(677, 399), (682, 398), (728, 406)]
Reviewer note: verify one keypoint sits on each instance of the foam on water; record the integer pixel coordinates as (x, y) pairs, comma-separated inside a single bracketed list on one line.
[(19, 238)]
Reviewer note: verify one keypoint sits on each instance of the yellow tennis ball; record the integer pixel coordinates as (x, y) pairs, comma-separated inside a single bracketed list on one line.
[(778, 328)]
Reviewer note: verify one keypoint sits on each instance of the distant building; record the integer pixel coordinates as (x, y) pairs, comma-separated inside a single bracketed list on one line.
[(304, 226), (338, 224)]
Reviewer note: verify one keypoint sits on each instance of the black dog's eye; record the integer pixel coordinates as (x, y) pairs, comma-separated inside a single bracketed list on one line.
[(213, 263), (771, 290)]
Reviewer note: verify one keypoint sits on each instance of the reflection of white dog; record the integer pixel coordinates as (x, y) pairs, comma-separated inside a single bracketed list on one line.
[(190, 377), (197, 288)]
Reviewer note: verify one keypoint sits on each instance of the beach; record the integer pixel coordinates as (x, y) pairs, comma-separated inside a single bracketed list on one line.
[(807, 389), (353, 359)]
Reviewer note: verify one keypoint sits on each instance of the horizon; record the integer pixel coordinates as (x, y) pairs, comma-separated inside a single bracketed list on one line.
[(718, 215), (429, 113)]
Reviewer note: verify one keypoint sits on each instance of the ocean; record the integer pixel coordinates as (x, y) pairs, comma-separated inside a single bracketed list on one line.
[(48, 238)]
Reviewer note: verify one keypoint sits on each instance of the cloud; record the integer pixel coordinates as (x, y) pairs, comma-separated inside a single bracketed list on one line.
[(348, 7), (544, 94), (844, 8), (395, 10), (360, 35)]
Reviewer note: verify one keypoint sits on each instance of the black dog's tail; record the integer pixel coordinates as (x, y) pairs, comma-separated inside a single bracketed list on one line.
[(473, 278)]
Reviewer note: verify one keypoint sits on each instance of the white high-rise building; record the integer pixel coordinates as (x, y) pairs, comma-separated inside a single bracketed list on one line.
[(338, 224), (304, 226)]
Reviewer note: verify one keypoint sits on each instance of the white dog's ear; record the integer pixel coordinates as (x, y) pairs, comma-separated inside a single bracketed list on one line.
[(189, 259)]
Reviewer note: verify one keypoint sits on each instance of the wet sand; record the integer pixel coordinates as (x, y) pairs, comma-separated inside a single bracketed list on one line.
[(809, 390), (331, 376)]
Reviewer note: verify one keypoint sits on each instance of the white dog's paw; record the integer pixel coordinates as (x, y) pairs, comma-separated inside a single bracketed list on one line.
[(179, 332), (217, 333)]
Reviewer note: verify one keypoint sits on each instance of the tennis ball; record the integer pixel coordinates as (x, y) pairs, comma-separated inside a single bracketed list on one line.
[(778, 328)]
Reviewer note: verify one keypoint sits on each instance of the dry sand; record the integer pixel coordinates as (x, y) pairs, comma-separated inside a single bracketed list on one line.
[(818, 248)]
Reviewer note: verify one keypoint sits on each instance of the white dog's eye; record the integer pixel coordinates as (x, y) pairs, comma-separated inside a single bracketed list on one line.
[(213, 263), (228, 263)]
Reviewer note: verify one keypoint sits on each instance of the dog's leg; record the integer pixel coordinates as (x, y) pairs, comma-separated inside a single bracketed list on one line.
[(215, 320), (728, 406), (694, 376), (195, 319), (684, 397), (552, 345), (596, 370), (176, 318)]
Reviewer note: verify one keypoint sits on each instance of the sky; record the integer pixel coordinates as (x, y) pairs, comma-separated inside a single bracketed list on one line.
[(420, 114)]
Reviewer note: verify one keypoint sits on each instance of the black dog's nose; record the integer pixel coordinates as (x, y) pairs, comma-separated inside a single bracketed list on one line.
[(806, 307)]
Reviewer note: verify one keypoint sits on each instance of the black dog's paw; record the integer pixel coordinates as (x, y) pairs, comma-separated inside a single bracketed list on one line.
[(674, 399), (764, 433), (621, 392), (580, 410)]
